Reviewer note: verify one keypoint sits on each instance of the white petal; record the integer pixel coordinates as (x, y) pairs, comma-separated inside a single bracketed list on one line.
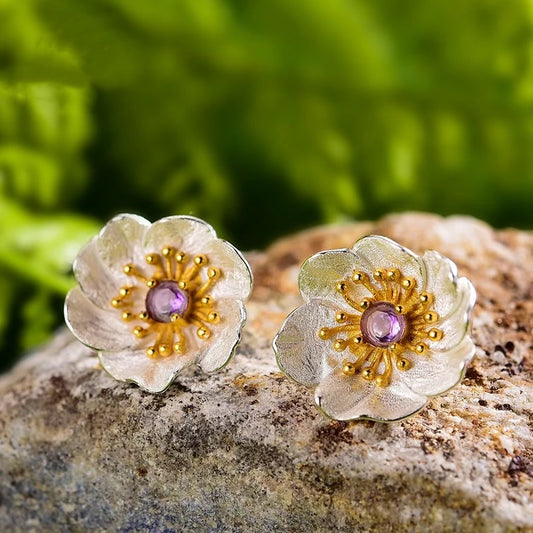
[(441, 281), (152, 375), (320, 274), (97, 281), (300, 353), (225, 336), (120, 242), (236, 279), (380, 252), (188, 234), (338, 395), (437, 372), (96, 327), (457, 324), (349, 398)]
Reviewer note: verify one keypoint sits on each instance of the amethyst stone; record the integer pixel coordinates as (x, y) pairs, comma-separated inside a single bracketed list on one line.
[(166, 299), (381, 325)]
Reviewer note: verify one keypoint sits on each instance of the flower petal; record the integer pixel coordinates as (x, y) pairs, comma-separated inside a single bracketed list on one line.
[(236, 280), (120, 242), (95, 327), (320, 274), (438, 371), (189, 234), (96, 280), (456, 325), (348, 398), (152, 375), (225, 336), (441, 281), (380, 252), (299, 351)]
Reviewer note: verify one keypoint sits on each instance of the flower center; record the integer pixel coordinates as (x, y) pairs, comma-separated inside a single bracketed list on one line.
[(381, 325), (166, 299)]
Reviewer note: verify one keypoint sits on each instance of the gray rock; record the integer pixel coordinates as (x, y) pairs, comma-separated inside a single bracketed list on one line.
[(246, 450)]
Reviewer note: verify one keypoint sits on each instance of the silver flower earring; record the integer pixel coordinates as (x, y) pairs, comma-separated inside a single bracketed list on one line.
[(381, 330), (155, 298)]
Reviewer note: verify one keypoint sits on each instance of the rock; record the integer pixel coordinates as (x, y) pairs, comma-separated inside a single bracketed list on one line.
[(246, 450)]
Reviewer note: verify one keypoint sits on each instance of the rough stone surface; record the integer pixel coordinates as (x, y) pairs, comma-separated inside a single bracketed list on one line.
[(246, 450)]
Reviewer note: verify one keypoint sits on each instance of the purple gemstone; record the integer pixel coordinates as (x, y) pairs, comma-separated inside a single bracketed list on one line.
[(381, 325), (166, 299)]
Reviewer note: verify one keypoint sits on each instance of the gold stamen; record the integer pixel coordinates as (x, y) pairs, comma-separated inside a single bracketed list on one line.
[(143, 315), (213, 317), (151, 351), (340, 345), (348, 368), (140, 332), (127, 315), (403, 364), (435, 334), (164, 350), (324, 334), (151, 283), (203, 332), (116, 302)]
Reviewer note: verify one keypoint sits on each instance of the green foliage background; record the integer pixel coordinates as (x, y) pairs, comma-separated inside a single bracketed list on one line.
[(261, 117)]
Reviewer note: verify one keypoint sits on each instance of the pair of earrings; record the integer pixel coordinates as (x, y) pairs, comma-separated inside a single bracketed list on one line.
[(381, 330)]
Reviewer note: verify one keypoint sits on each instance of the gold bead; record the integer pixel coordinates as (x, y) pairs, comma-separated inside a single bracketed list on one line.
[(431, 317), (407, 283), (358, 276), (182, 285), (203, 333), (125, 291), (213, 273), (139, 331), (339, 345), (116, 302), (367, 374), (400, 309), (128, 269), (379, 274), (340, 316), (206, 300), (200, 260), (381, 381), (323, 333), (420, 348), (166, 251), (151, 351), (174, 317), (151, 259), (364, 304), (143, 315), (126, 315), (424, 297), (341, 286), (151, 283), (213, 317), (178, 348), (180, 257), (358, 339), (393, 274), (164, 350), (403, 364), (348, 369), (393, 346), (435, 334)]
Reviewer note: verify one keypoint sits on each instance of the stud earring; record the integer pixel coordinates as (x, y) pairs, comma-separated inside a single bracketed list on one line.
[(155, 298), (381, 330)]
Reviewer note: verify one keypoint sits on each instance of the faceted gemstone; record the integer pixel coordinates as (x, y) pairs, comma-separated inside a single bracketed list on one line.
[(166, 299), (381, 325)]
